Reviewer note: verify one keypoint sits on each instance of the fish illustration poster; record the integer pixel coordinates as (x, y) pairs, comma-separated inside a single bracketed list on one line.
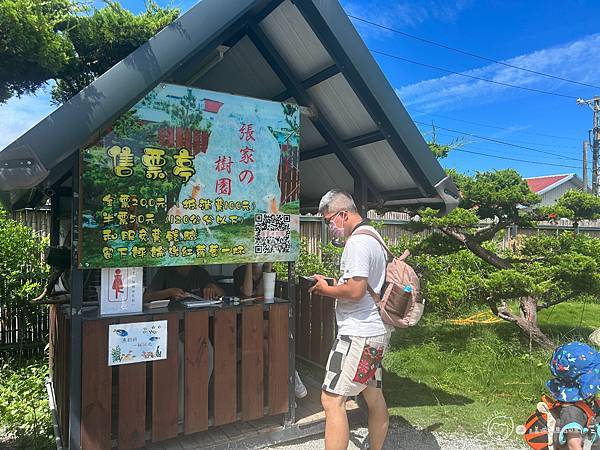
[(137, 342), (189, 176)]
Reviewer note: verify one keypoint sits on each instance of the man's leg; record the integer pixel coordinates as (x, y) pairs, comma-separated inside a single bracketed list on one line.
[(337, 434), (378, 417)]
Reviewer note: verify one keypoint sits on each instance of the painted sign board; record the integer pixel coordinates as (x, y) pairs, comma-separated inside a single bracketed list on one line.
[(189, 176)]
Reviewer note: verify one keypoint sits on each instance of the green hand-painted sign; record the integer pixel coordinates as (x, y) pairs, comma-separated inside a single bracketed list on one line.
[(189, 176)]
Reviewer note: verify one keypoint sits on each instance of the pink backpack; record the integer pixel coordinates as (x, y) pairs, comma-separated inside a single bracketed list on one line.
[(400, 304)]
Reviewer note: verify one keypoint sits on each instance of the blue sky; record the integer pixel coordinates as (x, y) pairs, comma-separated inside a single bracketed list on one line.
[(559, 38)]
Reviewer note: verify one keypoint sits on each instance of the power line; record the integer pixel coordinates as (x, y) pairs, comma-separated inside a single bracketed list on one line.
[(477, 143), (514, 159), (569, 148), (499, 128), (498, 141), (474, 55), (539, 91)]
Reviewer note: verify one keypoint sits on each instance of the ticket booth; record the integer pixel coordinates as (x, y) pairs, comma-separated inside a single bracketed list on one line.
[(203, 147)]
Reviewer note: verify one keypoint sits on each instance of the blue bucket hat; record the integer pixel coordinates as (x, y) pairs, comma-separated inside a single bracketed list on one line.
[(576, 367)]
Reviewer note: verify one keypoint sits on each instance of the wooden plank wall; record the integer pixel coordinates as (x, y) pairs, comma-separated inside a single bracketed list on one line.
[(115, 409), (225, 371), (278, 366), (196, 371), (315, 326)]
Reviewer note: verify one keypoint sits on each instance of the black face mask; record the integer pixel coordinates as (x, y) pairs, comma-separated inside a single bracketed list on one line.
[(336, 242)]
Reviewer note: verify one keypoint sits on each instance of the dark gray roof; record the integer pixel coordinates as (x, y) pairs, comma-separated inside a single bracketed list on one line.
[(307, 51)]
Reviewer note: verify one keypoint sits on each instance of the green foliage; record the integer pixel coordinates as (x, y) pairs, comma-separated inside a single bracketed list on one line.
[(510, 284), (22, 270), (309, 263), (66, 41), (440, 151), (34, 43), (501, 193), (24, 414), (457, 218), (464, 264), (452, 282), (104, 38), (579, 205), (184, 114), (569, 263)]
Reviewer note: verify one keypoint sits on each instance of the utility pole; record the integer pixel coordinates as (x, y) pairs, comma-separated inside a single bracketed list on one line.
[(594, 104), (585, 172)]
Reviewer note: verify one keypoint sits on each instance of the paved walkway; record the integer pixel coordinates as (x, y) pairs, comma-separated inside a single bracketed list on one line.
[(403, 437)]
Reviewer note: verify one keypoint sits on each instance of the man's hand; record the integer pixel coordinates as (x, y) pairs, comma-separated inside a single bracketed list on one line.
[(175, 293), (212, 291), (352, 289), (320, 286)]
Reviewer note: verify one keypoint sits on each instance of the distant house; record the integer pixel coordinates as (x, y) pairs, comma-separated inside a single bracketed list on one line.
[(552, 187)]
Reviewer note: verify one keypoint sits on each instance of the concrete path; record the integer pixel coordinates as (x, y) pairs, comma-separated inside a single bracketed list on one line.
[(403, 437)]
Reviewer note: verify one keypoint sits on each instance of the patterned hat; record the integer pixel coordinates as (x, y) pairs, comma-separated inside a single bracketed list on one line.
[(576, 367)]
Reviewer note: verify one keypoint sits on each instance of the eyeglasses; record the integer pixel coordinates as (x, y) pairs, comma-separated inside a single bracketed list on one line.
[(328, 221)]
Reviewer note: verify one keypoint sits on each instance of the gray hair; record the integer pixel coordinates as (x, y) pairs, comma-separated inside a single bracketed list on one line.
[(336, 200)]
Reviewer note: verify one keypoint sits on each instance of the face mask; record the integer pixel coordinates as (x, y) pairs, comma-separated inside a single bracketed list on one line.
[(337, 233)]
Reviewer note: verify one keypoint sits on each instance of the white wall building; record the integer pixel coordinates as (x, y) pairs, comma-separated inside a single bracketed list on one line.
[(551, 187)]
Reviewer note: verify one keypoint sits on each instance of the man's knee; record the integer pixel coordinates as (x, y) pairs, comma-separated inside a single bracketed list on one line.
[(374, 399), (332, 401)]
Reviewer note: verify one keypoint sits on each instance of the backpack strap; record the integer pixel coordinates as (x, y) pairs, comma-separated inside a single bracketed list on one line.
[(367, 232), (587, 410), (376, 297)]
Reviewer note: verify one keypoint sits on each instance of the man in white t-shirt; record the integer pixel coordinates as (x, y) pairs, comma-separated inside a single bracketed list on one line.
[(354, 364)]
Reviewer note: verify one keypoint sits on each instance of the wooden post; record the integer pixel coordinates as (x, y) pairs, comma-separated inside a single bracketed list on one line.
[(74, 441)]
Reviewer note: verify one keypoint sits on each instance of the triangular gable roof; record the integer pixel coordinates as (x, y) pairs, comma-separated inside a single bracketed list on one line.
[(543, 184), (361, 138)]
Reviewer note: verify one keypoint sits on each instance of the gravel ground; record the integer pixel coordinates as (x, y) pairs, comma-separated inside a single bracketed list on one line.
[(403, 437)]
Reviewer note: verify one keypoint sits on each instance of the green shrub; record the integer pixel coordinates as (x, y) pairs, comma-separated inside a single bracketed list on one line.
[(24, 415), (310, 263), (22, 269)]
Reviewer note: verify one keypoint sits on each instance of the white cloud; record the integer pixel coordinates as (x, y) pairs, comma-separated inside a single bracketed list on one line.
[(454, 91), (18, 115), (401, 14)]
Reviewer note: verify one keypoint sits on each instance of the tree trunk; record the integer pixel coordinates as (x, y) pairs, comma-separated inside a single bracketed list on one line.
[(475, 247), (527, 322)]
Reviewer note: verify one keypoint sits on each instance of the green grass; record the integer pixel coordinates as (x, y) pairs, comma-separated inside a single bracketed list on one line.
[(456, 378)]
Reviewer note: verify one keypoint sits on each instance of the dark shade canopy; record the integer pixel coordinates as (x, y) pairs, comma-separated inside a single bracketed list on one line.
[(359, 137)]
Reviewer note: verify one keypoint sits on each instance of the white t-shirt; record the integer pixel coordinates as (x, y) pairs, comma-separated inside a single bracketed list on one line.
[(363, 256)]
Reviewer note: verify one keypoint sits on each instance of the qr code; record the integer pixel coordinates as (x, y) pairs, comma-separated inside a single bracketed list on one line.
[(272, 233)]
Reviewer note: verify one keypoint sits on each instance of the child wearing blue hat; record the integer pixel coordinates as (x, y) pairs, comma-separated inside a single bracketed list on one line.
[(576, 368)]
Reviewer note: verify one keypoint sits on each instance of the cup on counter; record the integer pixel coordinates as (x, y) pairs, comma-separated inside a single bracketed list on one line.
[(269, 285)]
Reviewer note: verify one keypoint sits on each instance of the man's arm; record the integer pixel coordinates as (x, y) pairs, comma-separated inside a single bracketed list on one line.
[(353, 289), (212, 290), (247, 286), (172, 293), (158, 288)]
